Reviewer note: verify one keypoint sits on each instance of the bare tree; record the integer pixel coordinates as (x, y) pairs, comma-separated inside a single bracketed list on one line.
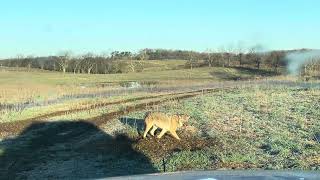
[(63, 60), (191, 59), (132, 65), (255, 55), (89, 62), (106, 63), (76, 64), (42, 63), (210, 59), (274, 59), (240, 52), (221, 56), (143, 55), (229, 52), (19, 58), (311, 67), (27, 62)]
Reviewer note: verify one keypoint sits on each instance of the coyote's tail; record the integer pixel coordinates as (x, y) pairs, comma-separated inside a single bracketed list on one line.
[(147, 114)]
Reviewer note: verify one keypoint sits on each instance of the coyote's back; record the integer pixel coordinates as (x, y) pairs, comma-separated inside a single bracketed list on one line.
[(165, 122)]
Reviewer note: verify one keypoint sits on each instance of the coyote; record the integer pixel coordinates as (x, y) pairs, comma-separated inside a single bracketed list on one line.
[(165, 122)]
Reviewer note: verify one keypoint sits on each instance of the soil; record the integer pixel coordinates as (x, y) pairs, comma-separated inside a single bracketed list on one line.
[(159, 148)]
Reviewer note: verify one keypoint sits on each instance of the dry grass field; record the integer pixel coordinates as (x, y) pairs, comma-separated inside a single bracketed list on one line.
[(89, 126)]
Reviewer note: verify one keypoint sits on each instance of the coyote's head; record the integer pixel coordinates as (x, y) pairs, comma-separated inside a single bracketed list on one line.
[(182, 118)]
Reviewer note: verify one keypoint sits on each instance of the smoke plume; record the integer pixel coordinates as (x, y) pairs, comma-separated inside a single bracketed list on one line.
[(297, 59)]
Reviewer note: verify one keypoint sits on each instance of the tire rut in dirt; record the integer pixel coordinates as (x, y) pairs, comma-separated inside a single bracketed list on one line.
[(14, 128)]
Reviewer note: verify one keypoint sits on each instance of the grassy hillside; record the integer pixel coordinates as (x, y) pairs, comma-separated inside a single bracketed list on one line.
[(22, 91), (153, 65), (9, 77)]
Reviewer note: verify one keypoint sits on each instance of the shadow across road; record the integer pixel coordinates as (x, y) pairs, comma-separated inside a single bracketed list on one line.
[(69, 150)]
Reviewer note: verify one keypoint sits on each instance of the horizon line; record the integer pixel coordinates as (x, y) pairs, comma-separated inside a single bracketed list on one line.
[(73, 54)]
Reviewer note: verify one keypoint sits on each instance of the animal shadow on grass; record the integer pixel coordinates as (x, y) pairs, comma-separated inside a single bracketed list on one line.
[(69, 150), (134, 123)]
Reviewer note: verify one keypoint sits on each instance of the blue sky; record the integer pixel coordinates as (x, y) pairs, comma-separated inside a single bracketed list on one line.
[(39, 27)]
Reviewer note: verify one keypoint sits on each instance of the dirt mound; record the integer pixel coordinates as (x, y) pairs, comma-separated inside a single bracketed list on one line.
[(160, 148)]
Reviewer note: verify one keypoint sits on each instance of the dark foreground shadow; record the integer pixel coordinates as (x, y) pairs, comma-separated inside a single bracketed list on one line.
[(69, 150)]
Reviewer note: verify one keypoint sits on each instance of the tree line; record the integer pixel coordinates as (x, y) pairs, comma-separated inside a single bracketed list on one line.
[(90, 63)]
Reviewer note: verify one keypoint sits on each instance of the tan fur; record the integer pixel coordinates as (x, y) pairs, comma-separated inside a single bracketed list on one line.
[(166, 122)]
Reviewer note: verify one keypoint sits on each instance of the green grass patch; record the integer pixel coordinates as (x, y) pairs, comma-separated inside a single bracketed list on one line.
[(185, 160), (261, 127)]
